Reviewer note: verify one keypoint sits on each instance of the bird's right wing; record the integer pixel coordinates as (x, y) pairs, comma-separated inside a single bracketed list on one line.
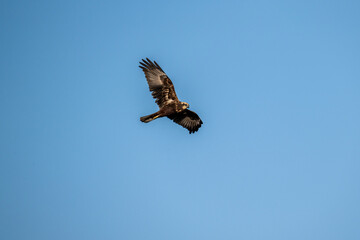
[(188, 119), (159, 83)]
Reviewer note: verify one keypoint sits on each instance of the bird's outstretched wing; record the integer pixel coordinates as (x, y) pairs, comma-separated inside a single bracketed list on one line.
[(188, 119), (159, 83)]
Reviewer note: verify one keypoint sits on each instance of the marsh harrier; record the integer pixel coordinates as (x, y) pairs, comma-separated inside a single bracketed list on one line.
[(169, 105)]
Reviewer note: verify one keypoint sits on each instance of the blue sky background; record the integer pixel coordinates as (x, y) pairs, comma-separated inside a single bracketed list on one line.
[(276, 83)]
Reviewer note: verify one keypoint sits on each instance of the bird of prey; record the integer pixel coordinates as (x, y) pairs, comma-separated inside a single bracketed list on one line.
[(169, 105)]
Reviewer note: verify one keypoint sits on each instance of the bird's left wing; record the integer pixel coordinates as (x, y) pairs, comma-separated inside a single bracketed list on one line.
[(188, 119)]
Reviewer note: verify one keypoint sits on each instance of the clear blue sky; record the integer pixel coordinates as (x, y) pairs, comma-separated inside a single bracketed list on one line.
[(277, 84)]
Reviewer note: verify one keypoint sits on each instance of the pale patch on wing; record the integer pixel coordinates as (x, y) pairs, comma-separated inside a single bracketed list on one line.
[(154, 78), (168, 101)]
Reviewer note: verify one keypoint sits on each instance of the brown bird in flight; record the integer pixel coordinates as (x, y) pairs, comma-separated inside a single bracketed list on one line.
[(169, 105)]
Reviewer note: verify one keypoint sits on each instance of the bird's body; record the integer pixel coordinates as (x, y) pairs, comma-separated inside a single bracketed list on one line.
[(166, 110), (169, 105)]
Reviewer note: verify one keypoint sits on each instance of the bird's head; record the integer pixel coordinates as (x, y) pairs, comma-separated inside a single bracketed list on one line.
[(184, 105)]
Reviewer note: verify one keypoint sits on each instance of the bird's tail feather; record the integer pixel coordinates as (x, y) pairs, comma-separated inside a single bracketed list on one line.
[(150, 117)]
